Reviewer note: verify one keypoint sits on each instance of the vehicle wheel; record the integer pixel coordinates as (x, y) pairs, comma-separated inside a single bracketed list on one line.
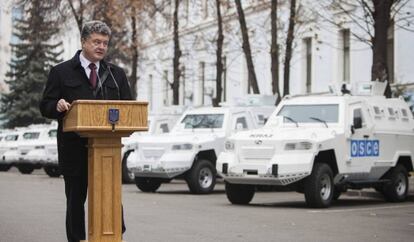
[(201, 179), (25, 169), (52, 171), (5, 167), (396, 190), (128, 177), (319, 187), (239, 193), (146, 184)]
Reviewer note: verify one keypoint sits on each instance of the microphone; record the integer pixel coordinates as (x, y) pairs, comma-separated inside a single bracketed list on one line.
[(116, 84)]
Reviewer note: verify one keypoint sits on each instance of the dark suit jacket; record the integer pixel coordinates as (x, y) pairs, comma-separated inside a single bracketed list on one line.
[(68, 80)]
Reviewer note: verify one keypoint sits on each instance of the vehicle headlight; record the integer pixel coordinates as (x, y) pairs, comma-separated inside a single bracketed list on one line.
[(182, 147), (39, 147), (299, 146), (229, 145)]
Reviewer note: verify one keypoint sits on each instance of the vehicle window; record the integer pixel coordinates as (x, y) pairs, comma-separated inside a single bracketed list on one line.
[(52, 133), (391, 111), (261, 119), (241, 121), (307, 113), (164, 128), (31, 135), (358, 119), (404, 113), (1, 137), (377, 110), (11, 137), (203, 121)]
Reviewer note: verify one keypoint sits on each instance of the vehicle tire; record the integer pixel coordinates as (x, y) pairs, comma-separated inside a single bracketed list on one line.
[(319, 187), (396, 190), (52, 171), (239, 193), (5, 167), (201, 179), (128, 177), (147, 184), (25, 169)]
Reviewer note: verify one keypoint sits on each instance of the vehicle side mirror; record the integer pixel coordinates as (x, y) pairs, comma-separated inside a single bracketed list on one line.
[(357, 123), (239, 126)]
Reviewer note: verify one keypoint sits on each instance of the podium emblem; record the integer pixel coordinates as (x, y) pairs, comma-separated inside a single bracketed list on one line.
[(113, 115)]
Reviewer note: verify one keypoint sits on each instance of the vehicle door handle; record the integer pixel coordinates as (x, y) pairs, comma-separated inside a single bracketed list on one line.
[(366, 136)]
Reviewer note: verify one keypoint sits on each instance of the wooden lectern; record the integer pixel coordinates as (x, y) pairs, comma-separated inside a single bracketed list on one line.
[(104, 122)]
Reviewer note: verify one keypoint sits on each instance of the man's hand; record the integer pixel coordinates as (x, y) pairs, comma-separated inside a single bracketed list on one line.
[(62, 105)]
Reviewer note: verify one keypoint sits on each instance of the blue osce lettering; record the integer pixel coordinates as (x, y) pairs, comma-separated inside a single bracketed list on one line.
[(362, 148)]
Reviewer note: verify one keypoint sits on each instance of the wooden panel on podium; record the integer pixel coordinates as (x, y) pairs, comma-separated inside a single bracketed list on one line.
[(90, 118)]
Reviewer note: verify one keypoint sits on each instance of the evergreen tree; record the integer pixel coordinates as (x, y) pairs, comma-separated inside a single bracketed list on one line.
[(32, 59)]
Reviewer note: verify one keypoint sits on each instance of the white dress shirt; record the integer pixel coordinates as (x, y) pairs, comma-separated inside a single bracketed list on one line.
[(85, 64)]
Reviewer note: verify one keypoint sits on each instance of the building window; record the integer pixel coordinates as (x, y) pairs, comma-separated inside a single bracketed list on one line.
[(224, 80), (346, 55), (182, 86), (390, 52), (166, 88), (150, 91), (202, 76), (308, 63)]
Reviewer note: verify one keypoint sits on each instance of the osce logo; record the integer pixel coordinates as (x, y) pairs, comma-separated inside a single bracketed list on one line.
[(361, 148)]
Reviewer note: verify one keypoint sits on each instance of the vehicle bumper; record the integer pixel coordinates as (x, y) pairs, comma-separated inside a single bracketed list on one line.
[(282, 169), (169, 166)]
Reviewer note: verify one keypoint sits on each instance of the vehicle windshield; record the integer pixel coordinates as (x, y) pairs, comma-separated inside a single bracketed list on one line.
[(11, 137), (203, 121), (31, 135), (310, 113)]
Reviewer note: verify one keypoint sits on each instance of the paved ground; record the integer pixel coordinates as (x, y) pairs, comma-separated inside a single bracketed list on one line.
[(32, 209)]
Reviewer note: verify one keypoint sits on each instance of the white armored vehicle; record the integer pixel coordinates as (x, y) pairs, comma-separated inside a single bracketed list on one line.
[(323, 145), (190, 150), (8, 142), (158, 123), (31, 144), (45, 152)]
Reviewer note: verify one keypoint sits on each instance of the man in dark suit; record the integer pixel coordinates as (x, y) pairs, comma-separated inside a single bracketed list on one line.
[(85, 76)]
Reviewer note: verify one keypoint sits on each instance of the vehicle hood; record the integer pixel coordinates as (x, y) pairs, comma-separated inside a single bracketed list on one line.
[(179, 138), (315, 134)]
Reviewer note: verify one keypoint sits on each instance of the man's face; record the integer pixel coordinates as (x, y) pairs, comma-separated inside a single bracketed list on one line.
[(94, 48)]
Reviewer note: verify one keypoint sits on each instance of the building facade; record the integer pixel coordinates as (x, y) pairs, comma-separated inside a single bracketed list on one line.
[(324, 51)]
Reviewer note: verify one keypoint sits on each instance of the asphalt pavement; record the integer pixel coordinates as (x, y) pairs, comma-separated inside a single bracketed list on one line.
[(32, 208)]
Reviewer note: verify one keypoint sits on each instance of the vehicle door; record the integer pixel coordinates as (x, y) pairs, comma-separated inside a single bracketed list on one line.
[(362, 146)]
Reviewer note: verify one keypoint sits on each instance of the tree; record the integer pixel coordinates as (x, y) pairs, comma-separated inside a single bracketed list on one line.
[(246, 49), (32, 58), (219, 57), (177, 54), (289, 43), (274, 51), (374, 22)]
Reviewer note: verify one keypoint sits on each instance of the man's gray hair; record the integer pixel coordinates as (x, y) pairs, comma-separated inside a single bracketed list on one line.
[(95, 26)]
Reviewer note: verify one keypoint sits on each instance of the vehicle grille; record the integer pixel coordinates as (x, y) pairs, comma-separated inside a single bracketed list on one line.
[(257, 153), (153, 153)]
